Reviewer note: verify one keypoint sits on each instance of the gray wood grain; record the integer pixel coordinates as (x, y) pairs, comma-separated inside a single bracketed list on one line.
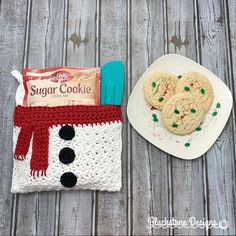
[(141, 198), (76, 207), (230, 9), (187, 176), (221, 157), (11, 53), (111, 208), (149, 183), (230, 20), (36, 212)]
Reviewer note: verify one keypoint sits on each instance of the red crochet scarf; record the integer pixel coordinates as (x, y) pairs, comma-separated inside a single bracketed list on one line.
[(35, 121)]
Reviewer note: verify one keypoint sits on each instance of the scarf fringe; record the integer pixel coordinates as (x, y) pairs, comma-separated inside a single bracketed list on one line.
[(19, 157), (36, 173)]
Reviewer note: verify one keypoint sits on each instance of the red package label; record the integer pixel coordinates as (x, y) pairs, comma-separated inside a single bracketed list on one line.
[(61, 86)]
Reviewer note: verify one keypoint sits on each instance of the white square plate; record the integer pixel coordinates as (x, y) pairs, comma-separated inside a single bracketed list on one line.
[(140, 114)]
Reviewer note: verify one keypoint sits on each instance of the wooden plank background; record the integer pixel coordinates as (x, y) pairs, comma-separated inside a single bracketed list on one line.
[(88, 33)]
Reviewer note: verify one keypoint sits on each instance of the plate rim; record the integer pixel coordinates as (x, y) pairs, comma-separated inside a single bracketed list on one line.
[(219, 129)]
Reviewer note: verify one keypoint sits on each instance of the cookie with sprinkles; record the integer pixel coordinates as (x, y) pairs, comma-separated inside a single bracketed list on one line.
[(199, 86), (182, 114), (159, 87)]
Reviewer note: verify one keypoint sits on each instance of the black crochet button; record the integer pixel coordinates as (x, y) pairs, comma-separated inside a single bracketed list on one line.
[(66, 155), (68, 180), (67, 132)]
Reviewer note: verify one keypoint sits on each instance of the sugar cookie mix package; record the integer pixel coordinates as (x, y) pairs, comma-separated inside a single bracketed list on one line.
[(61, 86), (63, 139)]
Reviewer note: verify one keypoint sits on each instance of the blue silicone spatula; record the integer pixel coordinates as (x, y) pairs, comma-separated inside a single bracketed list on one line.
[(112, 83)]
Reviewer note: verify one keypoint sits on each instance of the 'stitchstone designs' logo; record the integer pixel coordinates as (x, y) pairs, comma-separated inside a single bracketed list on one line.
[(192, 222)]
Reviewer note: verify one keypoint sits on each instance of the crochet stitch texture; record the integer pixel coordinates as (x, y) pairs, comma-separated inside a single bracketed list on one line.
[(96, 144)]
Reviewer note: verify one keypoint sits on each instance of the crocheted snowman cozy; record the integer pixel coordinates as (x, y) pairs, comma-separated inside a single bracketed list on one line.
[(67, 148)]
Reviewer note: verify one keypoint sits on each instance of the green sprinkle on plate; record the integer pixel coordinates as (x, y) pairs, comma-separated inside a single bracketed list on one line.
[(161, 99), (186, 88), (198, 129), (179, 76), (214, 113), (193, 110), (217, 105), (154, 116), (187, 144), (154, 84)]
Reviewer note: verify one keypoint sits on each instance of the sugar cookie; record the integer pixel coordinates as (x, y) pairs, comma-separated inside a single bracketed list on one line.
[(159, 87), (182, 114), (199, 86)]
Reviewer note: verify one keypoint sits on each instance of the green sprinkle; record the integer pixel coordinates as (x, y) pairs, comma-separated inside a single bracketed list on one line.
[(193, 110), (154, 84), (218, 105), (176, 111), (154, 116), (202, 91), (198, 129), (174, 125), (186, 88), (161, 99), (214, 113), (187, 144), (179, 76)]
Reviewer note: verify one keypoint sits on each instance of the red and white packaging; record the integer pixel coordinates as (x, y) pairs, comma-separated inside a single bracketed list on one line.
[(61, 86)]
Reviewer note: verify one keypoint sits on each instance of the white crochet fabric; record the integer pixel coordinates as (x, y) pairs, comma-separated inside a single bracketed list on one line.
[(97, 164)]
